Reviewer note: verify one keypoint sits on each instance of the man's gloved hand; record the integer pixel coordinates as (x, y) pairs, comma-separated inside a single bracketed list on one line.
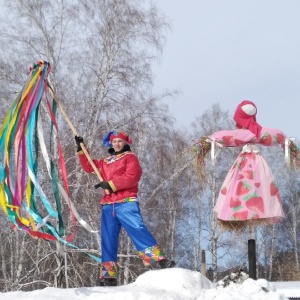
[(103, 184), (78, 140)]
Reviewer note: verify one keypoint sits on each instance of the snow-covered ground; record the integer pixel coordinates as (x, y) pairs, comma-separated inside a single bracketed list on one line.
[(175, 284)]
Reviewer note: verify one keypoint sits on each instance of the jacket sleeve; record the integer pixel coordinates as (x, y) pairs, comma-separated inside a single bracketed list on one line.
[(272, 137), (233, 138), (85, 164), (130, 177)]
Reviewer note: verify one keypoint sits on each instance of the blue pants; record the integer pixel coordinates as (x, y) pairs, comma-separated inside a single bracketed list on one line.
[(127, 215)]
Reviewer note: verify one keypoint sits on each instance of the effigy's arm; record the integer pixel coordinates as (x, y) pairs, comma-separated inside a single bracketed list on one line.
[(223, 138), (275, 137)]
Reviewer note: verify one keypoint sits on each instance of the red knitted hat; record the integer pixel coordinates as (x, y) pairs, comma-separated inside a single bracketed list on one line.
[(121, 135), (245, 117), (115, 134)]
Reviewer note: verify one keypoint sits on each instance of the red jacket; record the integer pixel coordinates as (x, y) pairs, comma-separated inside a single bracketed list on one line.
[(121, 171)]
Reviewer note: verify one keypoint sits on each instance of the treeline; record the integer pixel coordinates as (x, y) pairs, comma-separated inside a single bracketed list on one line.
[(101, 53)]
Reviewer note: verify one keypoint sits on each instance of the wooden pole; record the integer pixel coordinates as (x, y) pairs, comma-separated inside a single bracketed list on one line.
[(251, 231), (203, 263), (252, 258), (76, 134), (252, 254)]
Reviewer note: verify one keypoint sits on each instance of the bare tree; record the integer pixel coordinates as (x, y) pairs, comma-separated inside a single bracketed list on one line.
[(101, 53), (211, 121)]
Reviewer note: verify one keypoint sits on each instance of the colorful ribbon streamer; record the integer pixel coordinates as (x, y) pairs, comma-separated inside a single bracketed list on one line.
[(22, 198)]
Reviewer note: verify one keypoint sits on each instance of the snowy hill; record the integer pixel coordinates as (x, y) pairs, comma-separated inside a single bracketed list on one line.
[(175, 284)]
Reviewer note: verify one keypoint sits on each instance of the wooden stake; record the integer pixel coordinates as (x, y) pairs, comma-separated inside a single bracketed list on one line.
[(76, 134), (252, 259), (252, 253), (203, 263)]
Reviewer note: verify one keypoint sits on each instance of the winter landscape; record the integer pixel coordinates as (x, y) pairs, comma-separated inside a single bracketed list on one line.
[(175, 284), (171, 73)]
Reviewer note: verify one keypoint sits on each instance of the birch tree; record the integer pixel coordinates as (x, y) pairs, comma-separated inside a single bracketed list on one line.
[(101, 53), (209, 122)]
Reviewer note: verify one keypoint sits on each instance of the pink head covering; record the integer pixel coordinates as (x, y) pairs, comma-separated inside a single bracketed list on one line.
[(245, 117)]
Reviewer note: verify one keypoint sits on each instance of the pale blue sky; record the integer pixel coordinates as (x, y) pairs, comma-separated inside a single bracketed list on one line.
[(227, 51)]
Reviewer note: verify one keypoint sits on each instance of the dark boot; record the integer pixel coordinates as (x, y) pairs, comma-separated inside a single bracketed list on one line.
[(108, 282), (165, 263)]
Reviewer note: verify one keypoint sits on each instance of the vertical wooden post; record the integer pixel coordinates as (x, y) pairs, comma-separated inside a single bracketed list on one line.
[(203, 263), (96, 170), (252, 259)]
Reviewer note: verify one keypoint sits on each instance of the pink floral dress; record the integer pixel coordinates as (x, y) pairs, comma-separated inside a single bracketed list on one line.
[(249, 193)]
